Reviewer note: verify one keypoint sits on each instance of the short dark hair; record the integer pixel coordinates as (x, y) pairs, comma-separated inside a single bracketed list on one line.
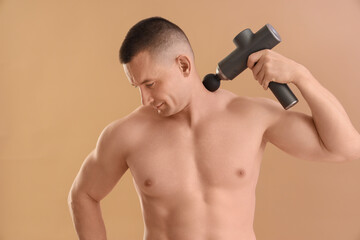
[(152, 34)]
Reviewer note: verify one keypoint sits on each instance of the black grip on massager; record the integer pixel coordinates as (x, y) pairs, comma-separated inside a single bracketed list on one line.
[(283, 94)]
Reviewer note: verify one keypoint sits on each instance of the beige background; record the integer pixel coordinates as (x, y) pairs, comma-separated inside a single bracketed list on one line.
[(61, 83)]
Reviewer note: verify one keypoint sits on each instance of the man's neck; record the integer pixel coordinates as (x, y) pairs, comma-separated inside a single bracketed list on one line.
[(200, 105)]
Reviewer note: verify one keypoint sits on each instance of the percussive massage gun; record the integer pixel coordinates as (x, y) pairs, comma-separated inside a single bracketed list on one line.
[(247, 43)]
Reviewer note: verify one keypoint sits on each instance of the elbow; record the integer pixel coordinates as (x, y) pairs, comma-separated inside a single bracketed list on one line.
[(70, 198), (343, 158), (74, 197), (75, 201), (353, 154), (348, 152), (352, 157)]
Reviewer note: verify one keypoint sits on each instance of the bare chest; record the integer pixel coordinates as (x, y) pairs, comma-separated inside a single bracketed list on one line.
[(224, 153)]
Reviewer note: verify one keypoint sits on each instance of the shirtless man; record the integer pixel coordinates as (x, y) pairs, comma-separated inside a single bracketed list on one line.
[(195, 155)]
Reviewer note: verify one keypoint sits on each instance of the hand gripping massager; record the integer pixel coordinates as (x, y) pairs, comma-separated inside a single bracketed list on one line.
[(247, 43)]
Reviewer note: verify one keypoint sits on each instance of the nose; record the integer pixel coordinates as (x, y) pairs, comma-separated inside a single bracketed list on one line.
[(146, 97)]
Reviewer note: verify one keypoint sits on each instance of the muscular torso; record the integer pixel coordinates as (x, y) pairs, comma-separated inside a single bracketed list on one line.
[(198, 183)]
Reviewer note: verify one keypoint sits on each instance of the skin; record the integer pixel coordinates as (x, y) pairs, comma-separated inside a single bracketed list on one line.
[(196, 159)]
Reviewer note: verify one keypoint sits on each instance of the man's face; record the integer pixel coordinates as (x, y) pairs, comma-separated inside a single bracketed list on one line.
[(160, 81)]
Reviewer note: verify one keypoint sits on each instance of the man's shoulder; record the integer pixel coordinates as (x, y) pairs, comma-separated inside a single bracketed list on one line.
[(251, 104), (127, 121), (121, 135), (126, 127), (263, 102)]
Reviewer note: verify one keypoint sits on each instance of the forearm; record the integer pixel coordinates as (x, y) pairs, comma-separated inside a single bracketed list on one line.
[(87, 218), (332, 122)]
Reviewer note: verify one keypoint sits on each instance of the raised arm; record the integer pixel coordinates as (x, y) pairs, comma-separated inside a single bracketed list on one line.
[(327, 135), (295, 133), (99, 173)]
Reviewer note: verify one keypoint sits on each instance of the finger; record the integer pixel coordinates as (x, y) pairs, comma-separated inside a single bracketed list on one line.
[(261, 77), (267, 82), (253, 58), (265, 85), (257, 68)]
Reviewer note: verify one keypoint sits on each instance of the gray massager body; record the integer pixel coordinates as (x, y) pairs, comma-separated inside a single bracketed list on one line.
[(231, 66)]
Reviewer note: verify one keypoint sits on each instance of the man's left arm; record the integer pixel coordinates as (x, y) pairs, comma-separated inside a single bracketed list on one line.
[(331, 122)]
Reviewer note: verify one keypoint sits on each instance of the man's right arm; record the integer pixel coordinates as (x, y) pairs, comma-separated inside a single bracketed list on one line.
[(99, 173)]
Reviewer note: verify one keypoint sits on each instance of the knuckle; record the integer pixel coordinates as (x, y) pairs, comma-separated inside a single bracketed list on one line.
[(267, 67), (267, 58), (267, 51)]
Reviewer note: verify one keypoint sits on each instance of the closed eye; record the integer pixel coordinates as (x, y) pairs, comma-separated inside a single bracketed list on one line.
[(150, 85)]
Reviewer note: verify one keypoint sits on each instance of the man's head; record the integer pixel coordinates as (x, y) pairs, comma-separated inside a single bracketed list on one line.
[(155, 35), (157, 57)]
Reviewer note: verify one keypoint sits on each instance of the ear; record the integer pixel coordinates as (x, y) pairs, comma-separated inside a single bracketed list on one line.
[(184, 65)]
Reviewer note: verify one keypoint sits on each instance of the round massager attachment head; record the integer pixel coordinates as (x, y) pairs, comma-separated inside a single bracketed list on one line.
[(212, 82)]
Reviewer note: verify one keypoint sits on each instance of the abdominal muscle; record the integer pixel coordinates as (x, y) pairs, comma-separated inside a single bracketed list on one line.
[(228, 216)]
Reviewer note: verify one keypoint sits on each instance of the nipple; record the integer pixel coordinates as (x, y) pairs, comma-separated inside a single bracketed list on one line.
[(240, 172), (148, 183)]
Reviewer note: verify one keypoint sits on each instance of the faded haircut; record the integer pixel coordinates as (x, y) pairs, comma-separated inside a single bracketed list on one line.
[(153, 34)]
